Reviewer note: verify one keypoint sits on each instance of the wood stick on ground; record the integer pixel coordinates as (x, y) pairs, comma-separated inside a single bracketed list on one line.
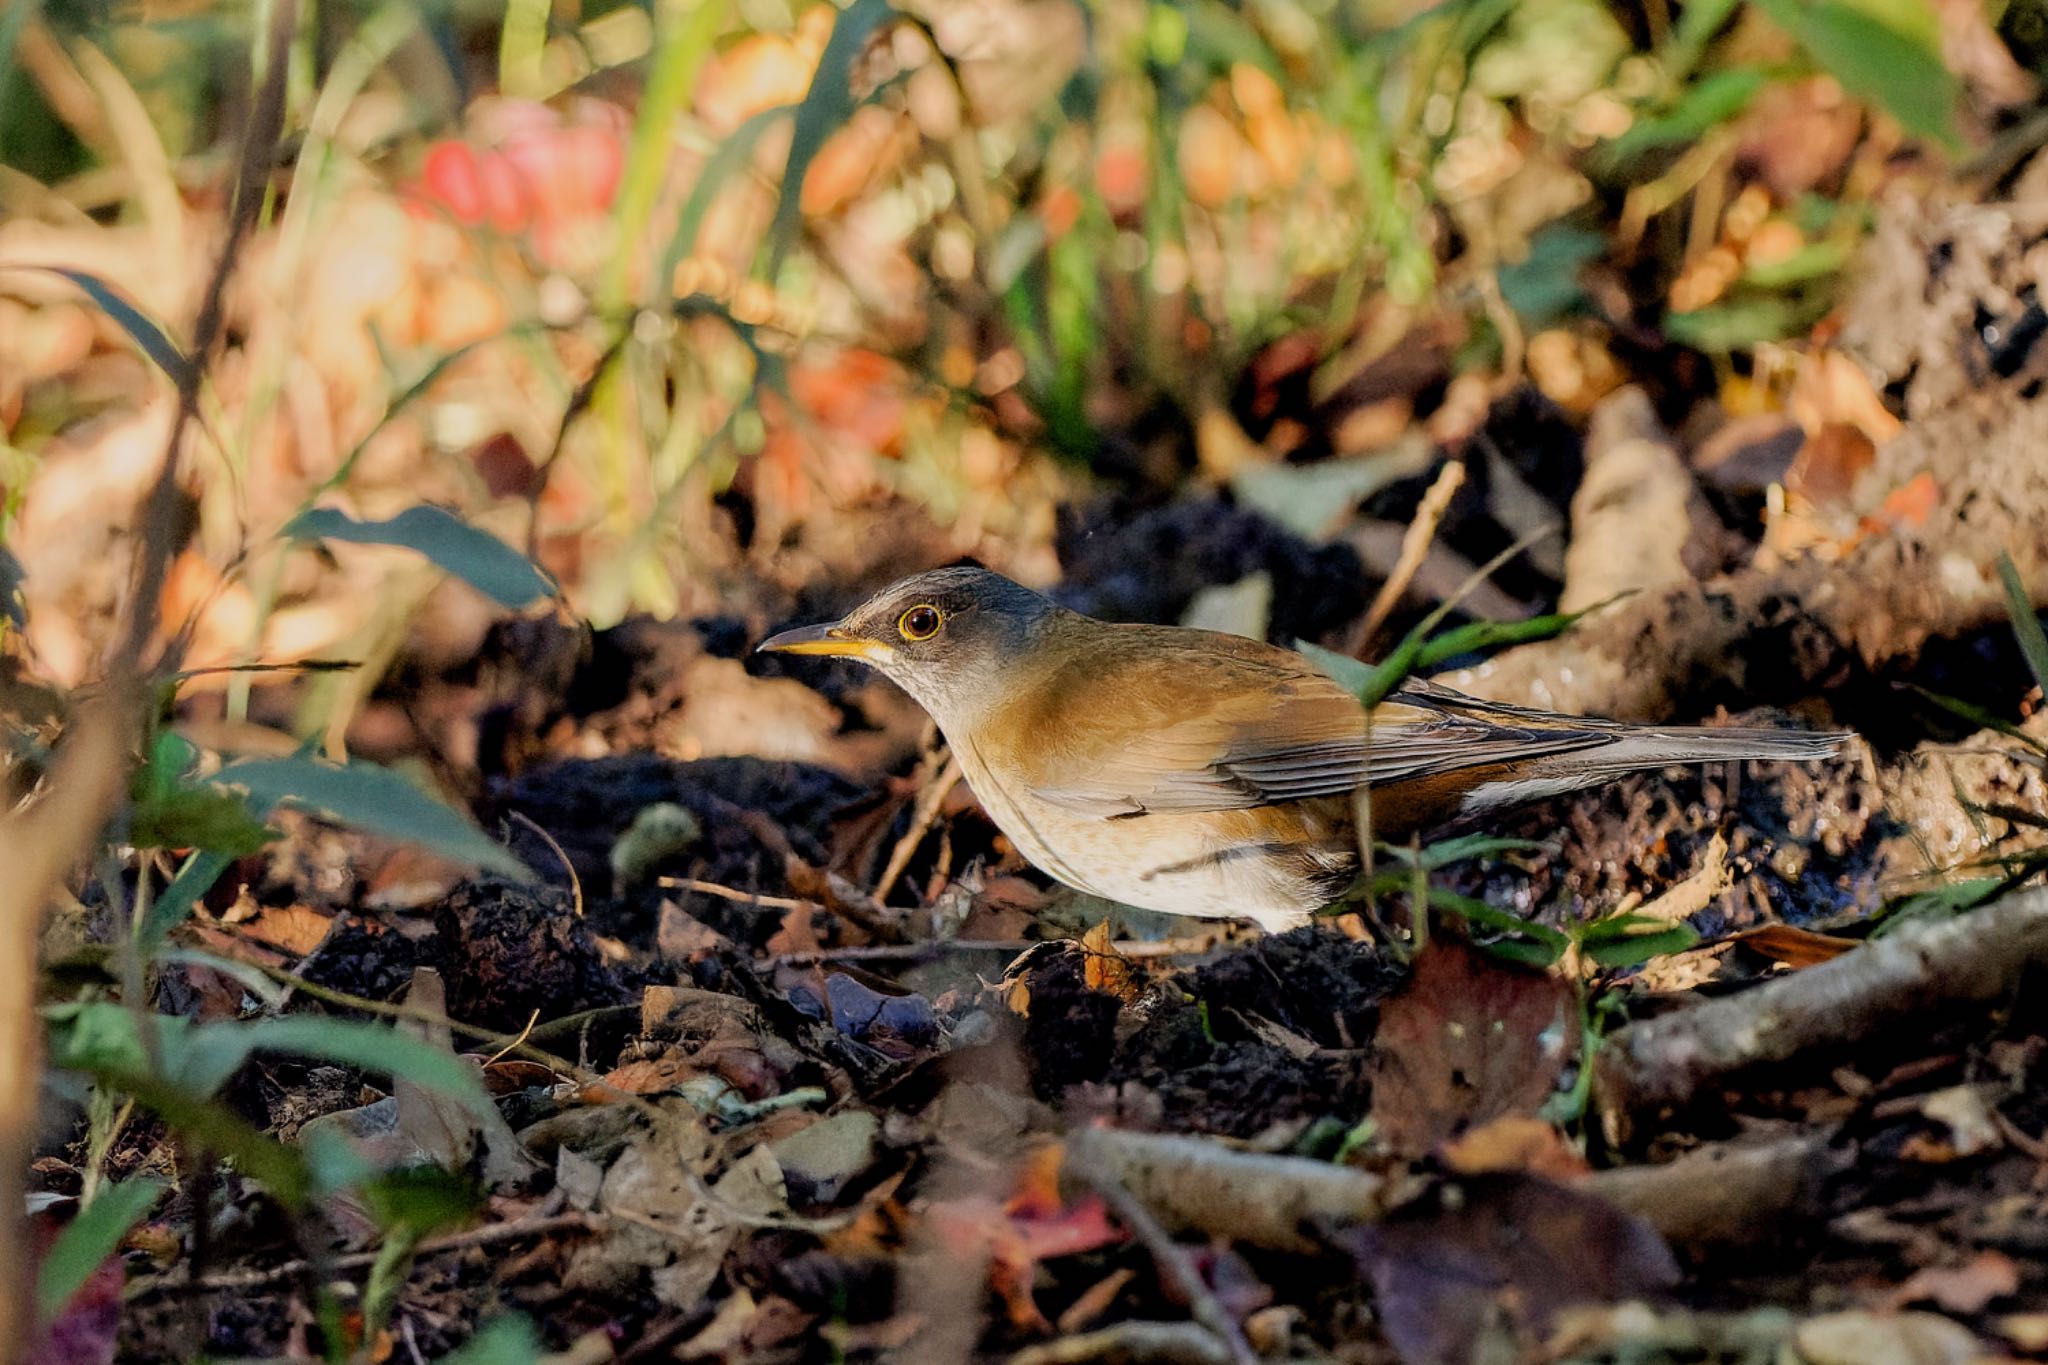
[(1199, 1185), (1170, 1257), (1662, 1064), (1728, 1194), (1414, 549), (1131, 1343), (283, 1273)]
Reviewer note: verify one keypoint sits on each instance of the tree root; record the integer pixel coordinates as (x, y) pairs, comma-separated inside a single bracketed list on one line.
[(1659, 1065)]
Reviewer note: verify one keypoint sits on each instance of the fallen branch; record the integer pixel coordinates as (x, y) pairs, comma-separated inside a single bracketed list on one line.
[(1131, 1343), (1662, 1064), (1170, 1257), (490, 1235), (1727, 1194), (1198, 1185)]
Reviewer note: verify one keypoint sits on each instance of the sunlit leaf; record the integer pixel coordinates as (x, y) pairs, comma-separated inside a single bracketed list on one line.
[(824, 110), (476, 557), (376, 800), (1886, 51), (89, 1238)]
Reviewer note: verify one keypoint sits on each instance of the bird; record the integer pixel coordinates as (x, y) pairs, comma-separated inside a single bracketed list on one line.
[(1210, 775)]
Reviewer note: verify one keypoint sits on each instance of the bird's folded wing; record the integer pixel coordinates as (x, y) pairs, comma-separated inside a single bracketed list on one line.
[(1261, 735)]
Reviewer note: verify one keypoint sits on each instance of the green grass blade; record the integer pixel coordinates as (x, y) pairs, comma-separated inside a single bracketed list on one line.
[(825, 108), (2026, 623), (89, 1239)]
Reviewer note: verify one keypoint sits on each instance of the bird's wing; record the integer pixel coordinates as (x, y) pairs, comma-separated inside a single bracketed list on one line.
[(1244, 727)]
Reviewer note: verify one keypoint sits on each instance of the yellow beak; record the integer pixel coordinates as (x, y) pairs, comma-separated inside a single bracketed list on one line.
[(819, 640)]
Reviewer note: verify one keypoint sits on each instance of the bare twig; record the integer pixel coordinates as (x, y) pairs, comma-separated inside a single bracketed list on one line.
[(924, 952), (1414, 550), (930, 797), (284, 1272), (1171, 1258), (736, 896), (575, 882)]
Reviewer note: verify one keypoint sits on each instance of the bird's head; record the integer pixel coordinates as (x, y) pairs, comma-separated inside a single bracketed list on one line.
[(950, 637)]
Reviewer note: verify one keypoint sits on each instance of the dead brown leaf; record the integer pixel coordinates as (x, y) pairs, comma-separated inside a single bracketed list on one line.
[(1965, 1288), (1467, 1040), (1515, 1142), (1104, 968), (1793, 946), (1484, 1264)]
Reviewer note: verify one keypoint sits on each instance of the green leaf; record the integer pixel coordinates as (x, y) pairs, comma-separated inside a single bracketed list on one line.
[(731, 159), (502, 1341), (1313, 500), (1740, 323), (211, 1053), (147, 336), (423, 1200), (88, 1239), (1444, 852), (476, 557), (1887, 52), (376, 800), (1706, 104), (1527, 942), (1815, 260), (201, 818), (175, 902), (1629, 940), (825, 108), (1480, 635), (1545, 286), (2025, 623)]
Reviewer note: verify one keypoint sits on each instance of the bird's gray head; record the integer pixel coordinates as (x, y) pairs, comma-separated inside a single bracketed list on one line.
[(948, 637)]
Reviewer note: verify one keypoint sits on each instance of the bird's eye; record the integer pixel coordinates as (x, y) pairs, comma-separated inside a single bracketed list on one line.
[(919, 623)]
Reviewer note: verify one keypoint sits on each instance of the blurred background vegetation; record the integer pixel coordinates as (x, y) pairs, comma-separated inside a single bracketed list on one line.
[(657, 291)]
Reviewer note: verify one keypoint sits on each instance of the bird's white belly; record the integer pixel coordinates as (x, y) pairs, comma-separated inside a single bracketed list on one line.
[(1179, 863)]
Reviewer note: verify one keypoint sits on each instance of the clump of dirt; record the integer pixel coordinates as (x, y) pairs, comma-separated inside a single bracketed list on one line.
[(1273, 1032), (1070, 1031), (1149, 566), (750, 815), (506, 951), (363, 957)]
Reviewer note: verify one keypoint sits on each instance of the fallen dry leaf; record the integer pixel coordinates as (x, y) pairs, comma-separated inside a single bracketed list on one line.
[(1793, 946), (1966, 1288), (1466, 1040), (1492, 1259), (1515, 1142), (1104, 968)]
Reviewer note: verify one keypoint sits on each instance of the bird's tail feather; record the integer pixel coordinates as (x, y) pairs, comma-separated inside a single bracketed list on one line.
[(1657, 747)]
